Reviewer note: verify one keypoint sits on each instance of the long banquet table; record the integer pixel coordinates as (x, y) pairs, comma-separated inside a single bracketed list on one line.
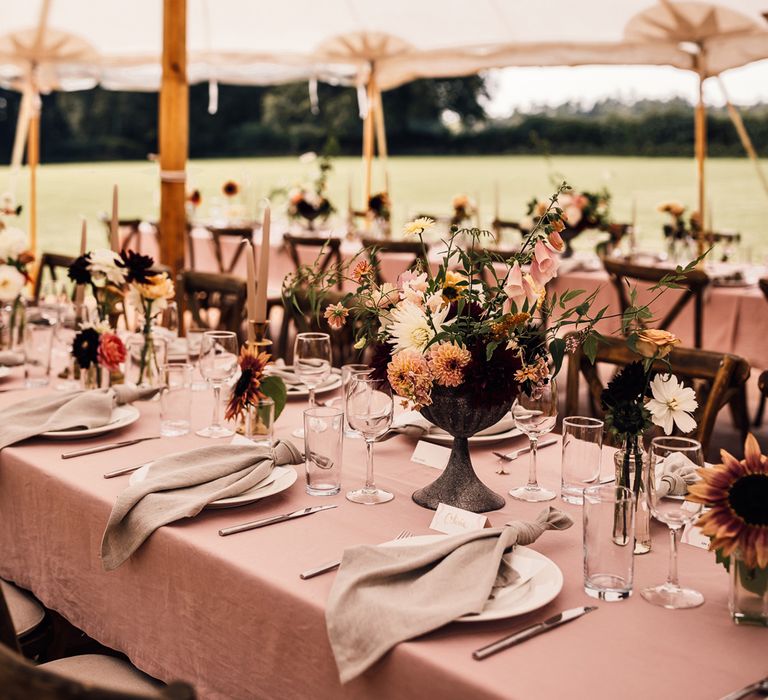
[(231, 615)]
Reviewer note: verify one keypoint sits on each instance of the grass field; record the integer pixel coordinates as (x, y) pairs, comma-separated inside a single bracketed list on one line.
[(418, 184)]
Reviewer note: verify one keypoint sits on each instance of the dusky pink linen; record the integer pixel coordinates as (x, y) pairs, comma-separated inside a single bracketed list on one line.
[(231, 615)]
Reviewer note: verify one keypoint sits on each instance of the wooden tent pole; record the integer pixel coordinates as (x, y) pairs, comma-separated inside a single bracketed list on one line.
[(700, 132), (33, 159), (368, 125), (381, 136), (174, 135)]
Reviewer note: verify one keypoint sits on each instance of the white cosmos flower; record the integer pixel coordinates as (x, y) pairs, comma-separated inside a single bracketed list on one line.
[(672, 404), (410, 327), (104, 266), (11, 282), (418, 226), (13, 242)]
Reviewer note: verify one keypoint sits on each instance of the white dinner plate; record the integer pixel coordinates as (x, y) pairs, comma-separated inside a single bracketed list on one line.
[(279, 480), (300, 390), (542, 588), (121, 417), (445, 439)]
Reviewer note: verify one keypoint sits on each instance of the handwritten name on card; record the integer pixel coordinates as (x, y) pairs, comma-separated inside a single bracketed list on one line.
[(435, 456), (451, 520)]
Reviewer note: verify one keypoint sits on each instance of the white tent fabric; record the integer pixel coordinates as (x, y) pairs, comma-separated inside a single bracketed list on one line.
[(247, 42)]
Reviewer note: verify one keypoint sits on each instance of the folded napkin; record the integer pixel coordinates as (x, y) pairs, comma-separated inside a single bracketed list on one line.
[(413, 424), (384, 595), (677, 472), (9, 358), (180, 486), (64, 411)]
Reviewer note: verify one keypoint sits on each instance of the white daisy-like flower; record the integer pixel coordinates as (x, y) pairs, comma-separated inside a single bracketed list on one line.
[(308, 157), (105, 266), (11, 282), (672, 404), (13, 242), (410, 327), (418, 226)]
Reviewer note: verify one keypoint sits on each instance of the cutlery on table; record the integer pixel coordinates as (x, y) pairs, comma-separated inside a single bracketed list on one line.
[(760, 686), (512, 456), (275, 519), (333, 565), (531, 631), (104, 448), (124, 470)]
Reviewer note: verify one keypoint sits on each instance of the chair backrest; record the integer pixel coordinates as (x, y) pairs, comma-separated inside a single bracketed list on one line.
[(219, 234), (56, 266), (378, 250), (721, 376), (215, 302), (764, 286), (328, 250), (305, 320), (694, 284), (500, 226), (128, 232)]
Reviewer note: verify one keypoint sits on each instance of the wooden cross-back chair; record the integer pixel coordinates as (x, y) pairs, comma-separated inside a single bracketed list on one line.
[(500, 226), (214, 301), (763, 381), (378, 249), (128, 232), (219, 234), (694, 284), (326, 251), (719, 376), (305, 320), (55, 266), (85, 677)]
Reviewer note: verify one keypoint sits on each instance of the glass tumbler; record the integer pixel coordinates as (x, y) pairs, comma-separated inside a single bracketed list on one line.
[(39, 329), (323, 435), (260, 422), (582, 446), (176, 399)]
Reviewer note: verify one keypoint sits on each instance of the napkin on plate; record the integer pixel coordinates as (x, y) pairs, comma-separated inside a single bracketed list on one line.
[(64, 411), (385, 595), (9, 358), (413, 424), (180, 486)]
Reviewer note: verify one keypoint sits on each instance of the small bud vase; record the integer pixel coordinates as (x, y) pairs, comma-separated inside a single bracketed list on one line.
[(632, 472), (748, 593)]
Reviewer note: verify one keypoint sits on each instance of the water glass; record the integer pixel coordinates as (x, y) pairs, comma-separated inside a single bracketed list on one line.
[(218, 365), (39, 329), (143, 359), (176, 399), (582, 447), (194, 340), (609, 539), (346, 374), (312, 357), (323, 437), (260, 422)]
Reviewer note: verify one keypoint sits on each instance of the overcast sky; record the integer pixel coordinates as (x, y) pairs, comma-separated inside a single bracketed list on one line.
[(523, 88)]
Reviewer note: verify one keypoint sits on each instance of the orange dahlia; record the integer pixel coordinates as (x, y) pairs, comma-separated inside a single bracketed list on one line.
[(736, 493)]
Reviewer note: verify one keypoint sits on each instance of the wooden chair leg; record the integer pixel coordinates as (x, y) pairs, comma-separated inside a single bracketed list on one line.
[(760, 411), (739, 411)]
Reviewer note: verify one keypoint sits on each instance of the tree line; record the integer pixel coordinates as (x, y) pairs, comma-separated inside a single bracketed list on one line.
[(252, 121)]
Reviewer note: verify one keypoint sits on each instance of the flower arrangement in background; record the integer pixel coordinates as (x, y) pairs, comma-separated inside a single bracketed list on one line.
[(104, 271), (97, 347), (463, 209), (14, 259), (8, 205), (253, 385), (379, 206), (230, 189), (193, 201), (681, 231), (309, 201)]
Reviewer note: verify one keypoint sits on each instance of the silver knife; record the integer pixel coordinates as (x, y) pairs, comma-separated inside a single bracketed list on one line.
[(104, 448), (531, 631), (759, 686), (275, 519)]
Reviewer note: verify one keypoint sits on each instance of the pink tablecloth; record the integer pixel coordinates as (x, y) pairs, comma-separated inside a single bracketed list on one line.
[(232, 616)]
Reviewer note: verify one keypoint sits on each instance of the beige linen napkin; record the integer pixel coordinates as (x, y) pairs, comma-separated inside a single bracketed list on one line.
[(180, 486), (64, 411), (385, 595), (9, 358)]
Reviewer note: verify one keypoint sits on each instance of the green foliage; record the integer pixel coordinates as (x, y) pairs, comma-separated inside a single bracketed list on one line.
[(274, 388)]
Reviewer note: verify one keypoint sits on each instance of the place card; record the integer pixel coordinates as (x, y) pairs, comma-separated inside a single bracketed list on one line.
[(693, 536), (451, 520), (435, 456)]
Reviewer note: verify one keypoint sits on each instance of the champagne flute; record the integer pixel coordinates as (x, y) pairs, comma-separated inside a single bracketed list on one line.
[(218, 365), (369, 409), (535, 414), (667, 504), (312, 364)]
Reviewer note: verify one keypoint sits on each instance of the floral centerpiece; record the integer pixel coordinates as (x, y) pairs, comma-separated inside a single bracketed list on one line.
[(735, 495), (15, 258), (251, 387), (379, 206), (309, 201), (463, 209), (95, 348), (634, 400), (681, 231), (149, 295), (193, 202), (8, 205), (104, 271)]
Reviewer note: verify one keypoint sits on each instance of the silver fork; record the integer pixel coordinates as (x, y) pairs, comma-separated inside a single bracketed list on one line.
[(333, 565)]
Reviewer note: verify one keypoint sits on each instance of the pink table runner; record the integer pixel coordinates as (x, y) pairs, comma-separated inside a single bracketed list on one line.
[(231, 615)]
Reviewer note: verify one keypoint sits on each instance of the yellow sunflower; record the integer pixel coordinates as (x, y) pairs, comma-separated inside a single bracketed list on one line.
[(736, 493), (454, 286)]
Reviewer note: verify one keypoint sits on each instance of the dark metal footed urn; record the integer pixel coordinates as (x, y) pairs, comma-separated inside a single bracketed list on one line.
[(458, 485)]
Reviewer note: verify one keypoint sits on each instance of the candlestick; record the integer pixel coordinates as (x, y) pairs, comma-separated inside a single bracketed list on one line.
[(262, 282), (259, 342), (251, 279), (496, 202), (114, 239), (80, 288)]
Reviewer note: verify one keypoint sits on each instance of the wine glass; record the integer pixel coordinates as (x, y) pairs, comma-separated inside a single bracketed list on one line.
[(535, 414), (347, 371), (311, 364), (669, 505), (218, 364), (369, 409)]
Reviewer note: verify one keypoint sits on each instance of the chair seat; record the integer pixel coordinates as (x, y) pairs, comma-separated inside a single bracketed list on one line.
[(106, 672), (26, 611)]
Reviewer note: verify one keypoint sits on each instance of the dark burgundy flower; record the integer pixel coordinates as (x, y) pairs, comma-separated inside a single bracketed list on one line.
[(85, 348), (78, 271), (138, 266)]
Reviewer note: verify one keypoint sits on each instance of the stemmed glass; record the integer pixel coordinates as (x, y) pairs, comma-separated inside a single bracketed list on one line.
[(669, 506), (218, 364), (535, 414), (347, 371), (369, 409), (312, 364)]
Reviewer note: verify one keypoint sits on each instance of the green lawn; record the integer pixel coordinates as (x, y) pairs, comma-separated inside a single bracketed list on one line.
[(418, 184)]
